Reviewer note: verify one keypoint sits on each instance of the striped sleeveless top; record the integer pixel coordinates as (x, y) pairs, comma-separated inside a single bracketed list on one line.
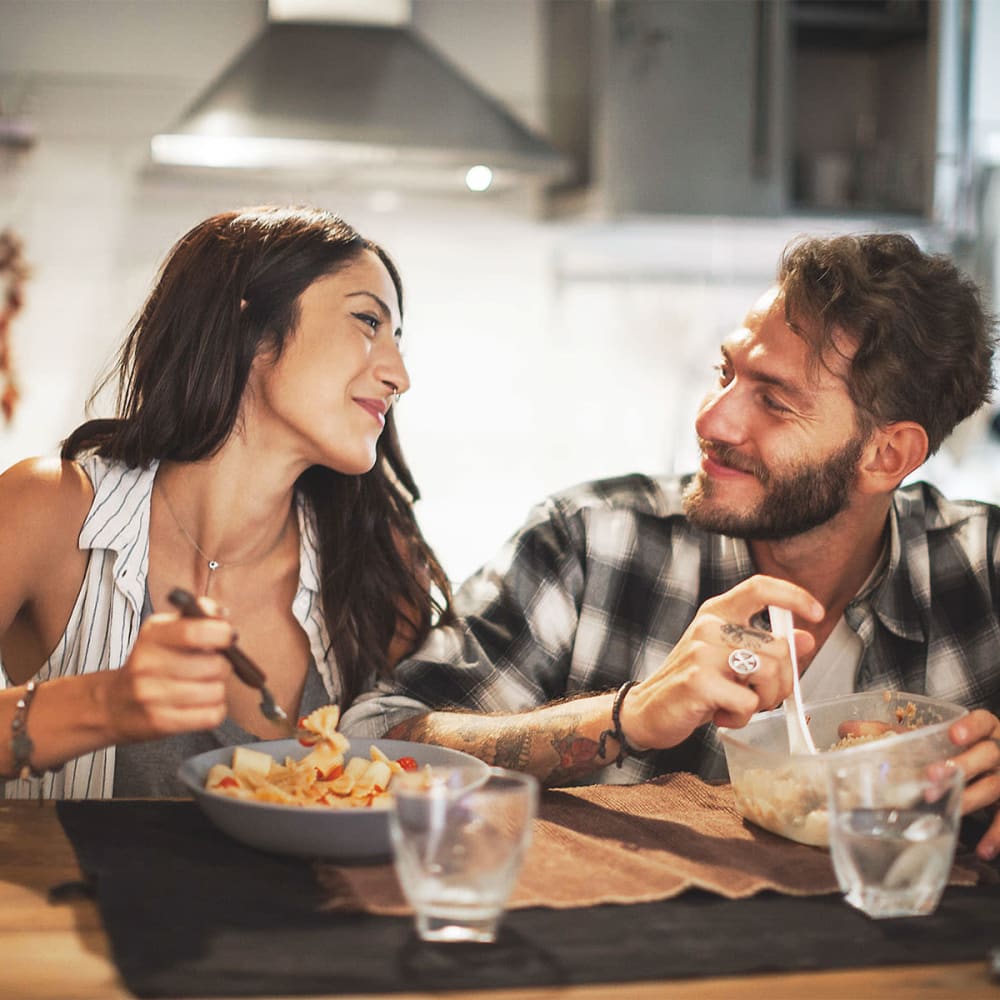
[(108, 611)]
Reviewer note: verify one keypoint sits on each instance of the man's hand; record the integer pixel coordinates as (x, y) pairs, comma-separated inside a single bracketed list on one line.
[(978, 737), (696, 685)]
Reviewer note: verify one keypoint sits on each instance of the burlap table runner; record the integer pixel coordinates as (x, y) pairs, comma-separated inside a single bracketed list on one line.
[(634, 844)]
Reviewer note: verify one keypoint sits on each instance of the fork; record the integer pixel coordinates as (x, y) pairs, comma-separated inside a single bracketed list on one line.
[(243, 666), (799, 738)]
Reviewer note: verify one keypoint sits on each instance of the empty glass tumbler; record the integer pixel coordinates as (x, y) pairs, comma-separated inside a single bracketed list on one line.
[(458, 845)]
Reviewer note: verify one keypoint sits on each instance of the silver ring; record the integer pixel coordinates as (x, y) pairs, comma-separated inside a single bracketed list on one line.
[(744, 662)]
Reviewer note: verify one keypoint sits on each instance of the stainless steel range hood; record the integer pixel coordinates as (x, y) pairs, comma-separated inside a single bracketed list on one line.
[(374, 103)]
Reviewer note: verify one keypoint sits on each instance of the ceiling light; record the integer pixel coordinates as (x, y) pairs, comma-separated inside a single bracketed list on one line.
[(479, 177)]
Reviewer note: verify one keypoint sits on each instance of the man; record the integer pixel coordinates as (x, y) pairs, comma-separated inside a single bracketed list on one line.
[(843, 378)]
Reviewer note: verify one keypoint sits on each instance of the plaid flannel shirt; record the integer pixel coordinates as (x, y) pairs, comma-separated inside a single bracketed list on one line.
[(601, 582)]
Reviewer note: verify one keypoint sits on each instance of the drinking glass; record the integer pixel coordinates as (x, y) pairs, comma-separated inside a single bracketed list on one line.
[(893, 831), (458, 847)]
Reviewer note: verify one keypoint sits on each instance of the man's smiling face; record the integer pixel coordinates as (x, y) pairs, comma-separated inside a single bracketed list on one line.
[(779, 439)]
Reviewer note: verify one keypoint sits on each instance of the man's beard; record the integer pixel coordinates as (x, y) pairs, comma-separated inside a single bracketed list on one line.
[(796, 501)]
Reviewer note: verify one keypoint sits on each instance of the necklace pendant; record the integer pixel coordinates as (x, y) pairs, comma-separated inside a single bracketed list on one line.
[(212, 565)]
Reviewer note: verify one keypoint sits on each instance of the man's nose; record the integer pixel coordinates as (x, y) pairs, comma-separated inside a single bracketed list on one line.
[(722, 416)]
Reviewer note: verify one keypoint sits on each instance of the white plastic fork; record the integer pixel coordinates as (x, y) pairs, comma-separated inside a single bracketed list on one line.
[(799, 738)]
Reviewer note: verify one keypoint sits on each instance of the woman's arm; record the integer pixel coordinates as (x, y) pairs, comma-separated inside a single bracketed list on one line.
[(173, 680)]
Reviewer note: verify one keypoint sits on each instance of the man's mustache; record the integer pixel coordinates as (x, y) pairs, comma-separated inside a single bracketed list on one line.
[(726, 454)]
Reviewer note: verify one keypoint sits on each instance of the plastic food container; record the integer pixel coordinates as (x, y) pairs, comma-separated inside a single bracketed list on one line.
[(787, 794)]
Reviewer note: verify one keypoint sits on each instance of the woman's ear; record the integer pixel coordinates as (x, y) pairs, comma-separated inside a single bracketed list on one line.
[(892, 453)]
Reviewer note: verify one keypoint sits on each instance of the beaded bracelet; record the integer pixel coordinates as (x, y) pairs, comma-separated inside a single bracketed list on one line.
[(21, 745), (615, 732)]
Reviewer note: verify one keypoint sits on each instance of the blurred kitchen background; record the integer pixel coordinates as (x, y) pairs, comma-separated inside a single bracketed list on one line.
[(647, 161)]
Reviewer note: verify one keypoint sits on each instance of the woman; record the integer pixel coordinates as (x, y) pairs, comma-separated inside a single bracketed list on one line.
[(254, 461)]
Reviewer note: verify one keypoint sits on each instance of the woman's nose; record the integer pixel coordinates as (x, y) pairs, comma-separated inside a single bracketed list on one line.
[(391, 370)]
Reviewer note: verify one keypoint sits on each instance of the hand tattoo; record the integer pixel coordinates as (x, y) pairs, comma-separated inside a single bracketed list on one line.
[(747, 638)]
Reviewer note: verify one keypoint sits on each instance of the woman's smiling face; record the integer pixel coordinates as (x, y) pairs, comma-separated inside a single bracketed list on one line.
[(326, 396)]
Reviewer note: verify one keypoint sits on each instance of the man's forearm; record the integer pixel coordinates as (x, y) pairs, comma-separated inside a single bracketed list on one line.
[(558, 743)]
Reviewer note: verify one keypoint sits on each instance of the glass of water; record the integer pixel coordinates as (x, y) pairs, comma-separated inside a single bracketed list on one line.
[(458, 847), (893, 831)]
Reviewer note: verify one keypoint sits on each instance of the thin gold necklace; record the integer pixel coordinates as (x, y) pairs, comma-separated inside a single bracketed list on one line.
[(214, 565)]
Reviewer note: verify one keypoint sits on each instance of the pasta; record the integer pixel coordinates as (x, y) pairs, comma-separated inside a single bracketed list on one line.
[(320, 778)]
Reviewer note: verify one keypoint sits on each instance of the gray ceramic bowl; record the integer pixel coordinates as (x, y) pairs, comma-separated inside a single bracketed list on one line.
[(352, 835)]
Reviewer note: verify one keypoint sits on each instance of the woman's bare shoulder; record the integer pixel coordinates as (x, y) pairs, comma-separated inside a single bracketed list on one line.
[(53, 482), (45, 498), (43, 504)]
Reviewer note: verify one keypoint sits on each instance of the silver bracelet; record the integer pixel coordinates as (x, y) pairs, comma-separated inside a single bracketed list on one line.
[(21, 745)]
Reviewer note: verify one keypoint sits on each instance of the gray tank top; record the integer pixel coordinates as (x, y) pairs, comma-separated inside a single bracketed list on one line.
[(149, 769)]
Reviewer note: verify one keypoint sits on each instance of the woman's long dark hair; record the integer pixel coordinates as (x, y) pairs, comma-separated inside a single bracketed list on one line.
[(229, 290)]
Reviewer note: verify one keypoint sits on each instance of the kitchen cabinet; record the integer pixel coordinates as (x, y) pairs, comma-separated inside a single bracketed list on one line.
[(863, 105), (744, 107)]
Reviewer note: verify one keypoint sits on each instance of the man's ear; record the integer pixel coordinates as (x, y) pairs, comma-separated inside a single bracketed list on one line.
[(892, 453)]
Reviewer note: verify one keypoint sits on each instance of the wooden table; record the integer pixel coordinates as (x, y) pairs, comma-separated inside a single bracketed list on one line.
[(60, 951)]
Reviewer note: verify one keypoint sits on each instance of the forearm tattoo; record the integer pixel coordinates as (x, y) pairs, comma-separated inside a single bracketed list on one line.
[(414, 729), (577, 755), (745, 637), (513, 750), (555, 753)]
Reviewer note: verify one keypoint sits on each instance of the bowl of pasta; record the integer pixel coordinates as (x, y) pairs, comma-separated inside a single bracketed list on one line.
[(315, 796)]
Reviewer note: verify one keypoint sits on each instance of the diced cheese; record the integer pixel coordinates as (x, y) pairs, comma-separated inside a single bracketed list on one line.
[(252, 762)]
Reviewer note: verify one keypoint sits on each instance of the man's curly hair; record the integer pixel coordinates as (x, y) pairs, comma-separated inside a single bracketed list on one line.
[(924, 340)]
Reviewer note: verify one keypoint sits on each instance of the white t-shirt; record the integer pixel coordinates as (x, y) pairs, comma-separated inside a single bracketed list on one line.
[(831, 672)]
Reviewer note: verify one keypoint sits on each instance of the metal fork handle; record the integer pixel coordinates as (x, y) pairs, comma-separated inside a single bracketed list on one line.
[(245, 668)]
